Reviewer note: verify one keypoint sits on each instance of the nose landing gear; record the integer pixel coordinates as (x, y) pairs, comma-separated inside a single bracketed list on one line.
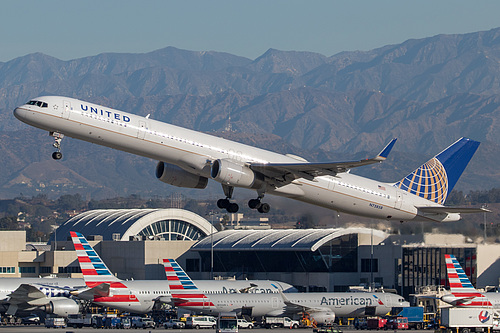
[(57, 155)]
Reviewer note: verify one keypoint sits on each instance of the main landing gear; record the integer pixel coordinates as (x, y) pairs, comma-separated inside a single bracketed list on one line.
[(57, 155), (232, 207), (262, 207)]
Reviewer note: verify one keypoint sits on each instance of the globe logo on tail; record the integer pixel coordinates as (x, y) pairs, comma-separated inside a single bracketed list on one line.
[(430, 181)]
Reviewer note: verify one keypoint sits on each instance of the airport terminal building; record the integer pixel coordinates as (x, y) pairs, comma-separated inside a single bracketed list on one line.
[(134, 242)]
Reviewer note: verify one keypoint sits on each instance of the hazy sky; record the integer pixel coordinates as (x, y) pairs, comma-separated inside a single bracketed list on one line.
[(74, 29)]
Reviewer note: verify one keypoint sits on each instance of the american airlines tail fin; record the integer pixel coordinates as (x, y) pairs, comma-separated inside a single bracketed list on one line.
[(178, 280), (93, 268), (463, 292), (435, 179), (183, 290)]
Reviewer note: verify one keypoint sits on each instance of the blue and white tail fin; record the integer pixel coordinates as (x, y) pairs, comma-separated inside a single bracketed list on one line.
[(177, 278), (464, 293), (184, 292), (94, 270), (435, 179)]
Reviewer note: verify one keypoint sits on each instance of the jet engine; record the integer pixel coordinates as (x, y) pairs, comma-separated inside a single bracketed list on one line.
[(323, 317), (63, 307), (229, 173), (173, 175)]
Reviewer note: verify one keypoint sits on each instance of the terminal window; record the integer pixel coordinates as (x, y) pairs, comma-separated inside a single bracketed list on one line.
[(7, 270)]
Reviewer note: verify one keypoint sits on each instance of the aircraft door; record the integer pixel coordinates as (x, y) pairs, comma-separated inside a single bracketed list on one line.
[(399, 199), (142, 129), (274, 302), (206, 303), (66, 109)]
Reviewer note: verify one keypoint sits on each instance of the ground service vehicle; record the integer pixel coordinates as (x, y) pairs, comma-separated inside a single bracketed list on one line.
[(376, 323), (227, 323), (32, 319), (415, 315), (334, 328), (201, 322), (466, 320), (79, 321), (283, 322), (243, 323), (174, 323), (139, 322), (55, 322), (398, 323)]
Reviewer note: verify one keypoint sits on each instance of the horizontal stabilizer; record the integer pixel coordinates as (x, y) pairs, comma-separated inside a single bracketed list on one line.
[(451, 210)]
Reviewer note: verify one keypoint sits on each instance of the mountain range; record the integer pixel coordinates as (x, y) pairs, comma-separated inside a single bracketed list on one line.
[(426, 92)]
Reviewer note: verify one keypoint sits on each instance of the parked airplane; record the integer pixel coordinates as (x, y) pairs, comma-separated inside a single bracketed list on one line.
[(51, 295), (189, 158), (322, 307), (139, 296), (463, 293)]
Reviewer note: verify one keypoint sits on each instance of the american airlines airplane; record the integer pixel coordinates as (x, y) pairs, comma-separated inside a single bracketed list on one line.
[(322, 307), (139, 296), (463, 293), (189, 159), (51, 295)]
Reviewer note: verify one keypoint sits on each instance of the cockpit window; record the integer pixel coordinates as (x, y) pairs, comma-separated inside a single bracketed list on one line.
[(38, 103)]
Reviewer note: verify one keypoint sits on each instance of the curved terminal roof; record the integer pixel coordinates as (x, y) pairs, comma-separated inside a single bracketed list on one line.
[(282, 239), (121, 224)]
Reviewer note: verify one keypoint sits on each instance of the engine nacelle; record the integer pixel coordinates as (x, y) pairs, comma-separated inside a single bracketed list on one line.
[(173, 175), (229, 173), (323, 317), (63, 307)]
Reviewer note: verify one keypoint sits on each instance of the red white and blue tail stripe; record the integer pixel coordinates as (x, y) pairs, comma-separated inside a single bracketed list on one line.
[(93, 268), (183, 290), (96, 273), (460, 286)]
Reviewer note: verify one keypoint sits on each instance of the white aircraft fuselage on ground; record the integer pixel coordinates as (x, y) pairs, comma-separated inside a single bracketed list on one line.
[(51, 295), (189, 158), (139, 296), (322, 307)]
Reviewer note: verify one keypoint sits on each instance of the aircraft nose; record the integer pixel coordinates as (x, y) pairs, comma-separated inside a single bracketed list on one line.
[(19, 113)]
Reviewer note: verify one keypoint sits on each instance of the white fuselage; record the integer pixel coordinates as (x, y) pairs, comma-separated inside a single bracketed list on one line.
[(139, 296), (342, 304), (195, 151)]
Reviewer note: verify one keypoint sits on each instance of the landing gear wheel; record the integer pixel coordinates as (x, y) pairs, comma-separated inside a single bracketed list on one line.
[(264, 208), (223, 203), (57, 155), (254, 203), (233, 208)]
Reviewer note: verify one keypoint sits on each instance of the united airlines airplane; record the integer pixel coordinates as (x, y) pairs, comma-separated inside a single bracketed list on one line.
[(139, 296), (189, 159), (322, 307)]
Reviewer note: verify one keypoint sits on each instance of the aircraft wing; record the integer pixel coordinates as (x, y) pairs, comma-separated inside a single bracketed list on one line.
[(293, 308), (451, 210), (27, 293), (287, 172)]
